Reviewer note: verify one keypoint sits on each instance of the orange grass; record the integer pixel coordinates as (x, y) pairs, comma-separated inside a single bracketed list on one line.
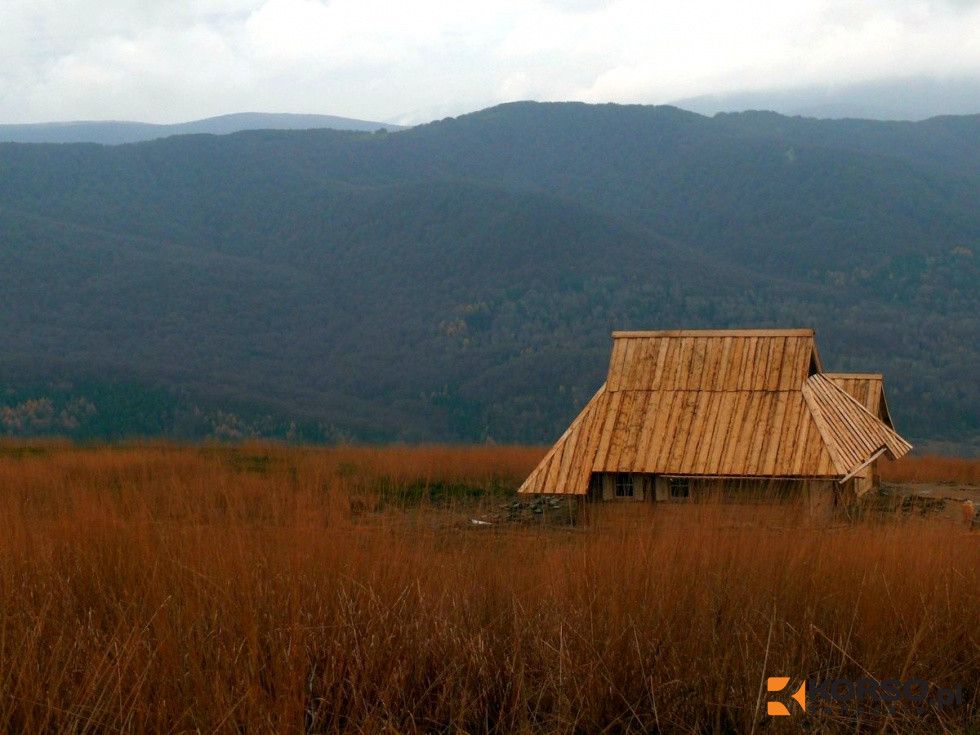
[(932, 468), (166, 589)]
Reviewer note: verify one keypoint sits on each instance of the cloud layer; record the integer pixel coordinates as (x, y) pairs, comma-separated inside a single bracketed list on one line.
[(178, 60)]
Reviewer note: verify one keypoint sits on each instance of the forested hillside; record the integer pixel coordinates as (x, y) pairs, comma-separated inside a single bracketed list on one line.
[(458, 281)]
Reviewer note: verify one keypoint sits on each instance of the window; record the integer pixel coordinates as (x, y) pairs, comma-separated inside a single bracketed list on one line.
[(680, 487), (624, 485)]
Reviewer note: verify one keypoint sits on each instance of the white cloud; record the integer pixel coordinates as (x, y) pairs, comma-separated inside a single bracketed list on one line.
[(184, 59), (714, 47), (308, 30)]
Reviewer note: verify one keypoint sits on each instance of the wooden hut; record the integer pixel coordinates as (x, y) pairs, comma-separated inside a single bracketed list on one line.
[(686, 413)]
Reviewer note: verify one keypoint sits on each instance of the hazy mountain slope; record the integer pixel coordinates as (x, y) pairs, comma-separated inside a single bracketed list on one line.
[(403, 294), (906, 99), (113, 132), (950, 143), (459, 280), (735, 191)]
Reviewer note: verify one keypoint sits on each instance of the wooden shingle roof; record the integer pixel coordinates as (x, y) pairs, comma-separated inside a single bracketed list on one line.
[(747, 403), (868, 389), (852, 433)]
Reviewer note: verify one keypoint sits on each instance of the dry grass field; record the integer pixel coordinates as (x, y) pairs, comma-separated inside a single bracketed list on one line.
[(932, 469), (156, 589)]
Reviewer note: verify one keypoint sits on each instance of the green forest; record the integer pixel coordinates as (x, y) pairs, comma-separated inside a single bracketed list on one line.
[(459, 281)]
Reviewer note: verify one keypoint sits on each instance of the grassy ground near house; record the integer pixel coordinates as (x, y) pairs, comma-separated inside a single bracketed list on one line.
[(258, 588)]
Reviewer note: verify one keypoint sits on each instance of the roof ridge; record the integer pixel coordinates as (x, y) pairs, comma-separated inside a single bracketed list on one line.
[(622, 334), (707, 390)]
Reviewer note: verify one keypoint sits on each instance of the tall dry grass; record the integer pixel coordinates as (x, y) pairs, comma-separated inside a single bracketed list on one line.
[(932, 468), (164, 589)]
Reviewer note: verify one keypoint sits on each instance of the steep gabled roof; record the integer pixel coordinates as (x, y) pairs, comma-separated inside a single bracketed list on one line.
[(868, 389), (747, 403)]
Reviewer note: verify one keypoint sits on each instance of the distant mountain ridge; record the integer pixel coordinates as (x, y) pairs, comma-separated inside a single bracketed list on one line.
[(912, 99), (112, 132), (458, 281)]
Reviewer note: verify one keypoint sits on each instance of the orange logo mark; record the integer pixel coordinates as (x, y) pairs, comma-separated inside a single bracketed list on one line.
[(777, 684)]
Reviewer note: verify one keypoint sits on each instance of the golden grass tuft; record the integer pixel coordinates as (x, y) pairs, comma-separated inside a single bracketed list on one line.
[(159, 588)]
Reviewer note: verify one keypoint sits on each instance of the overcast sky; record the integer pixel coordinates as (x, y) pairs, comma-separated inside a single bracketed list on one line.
[(415, 60)]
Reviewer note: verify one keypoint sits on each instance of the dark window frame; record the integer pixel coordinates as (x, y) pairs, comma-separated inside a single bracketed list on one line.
[(679, 488), (624, 485)]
